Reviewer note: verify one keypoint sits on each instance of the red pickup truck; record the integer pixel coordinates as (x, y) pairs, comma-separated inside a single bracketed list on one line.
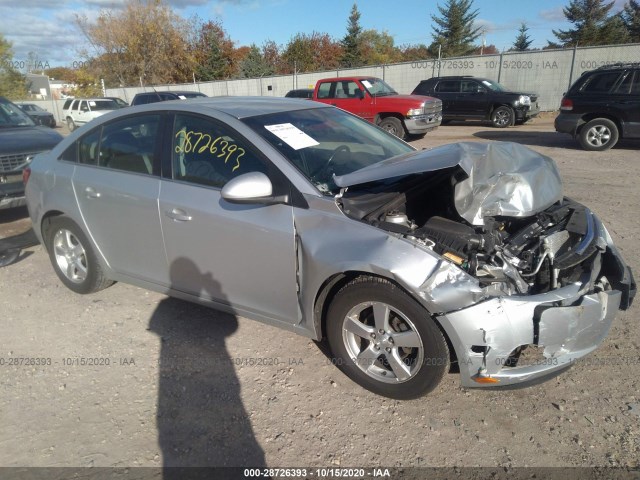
[(374, 100)]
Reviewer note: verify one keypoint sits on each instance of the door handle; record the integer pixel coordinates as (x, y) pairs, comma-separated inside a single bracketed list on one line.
[(91, 193), (178, 215)]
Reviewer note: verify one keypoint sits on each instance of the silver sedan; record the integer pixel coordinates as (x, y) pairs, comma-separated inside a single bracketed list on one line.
[(305, 217)]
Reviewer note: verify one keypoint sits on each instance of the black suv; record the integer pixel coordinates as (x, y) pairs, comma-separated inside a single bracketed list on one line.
[(20, 140), (473, 98), (300, 93), (153, 97), (602, 106)]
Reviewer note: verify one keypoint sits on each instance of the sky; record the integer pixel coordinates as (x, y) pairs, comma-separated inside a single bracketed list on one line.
[(47, 28)]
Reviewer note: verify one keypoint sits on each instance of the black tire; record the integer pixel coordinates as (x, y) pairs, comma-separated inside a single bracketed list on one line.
[(502, 117), (394, 126), (73, 257), (598, 135), (71, 124), (406, 361)]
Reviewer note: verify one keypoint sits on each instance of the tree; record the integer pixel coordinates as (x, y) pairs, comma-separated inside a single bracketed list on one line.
[(12, 82), (523, 41), (254, 64), (378, 48), (272, 55), (455, 30), (308, 53), (591, 20), (631, 18), (214, 53), (414, 52), (144, 41), (351, 43)]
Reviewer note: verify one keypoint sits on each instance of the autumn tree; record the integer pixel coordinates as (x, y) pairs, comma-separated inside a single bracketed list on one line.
[(272, 55), (12, 82), (254, 64), (631, 18), (454, 30), (144, 41), (523, 40), (378, 48), (414, 52), (351, 43), (592, 24), (308, 53), (214, 53)]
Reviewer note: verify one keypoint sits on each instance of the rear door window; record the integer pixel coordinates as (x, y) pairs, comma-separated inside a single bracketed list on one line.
[(600, 82), (448, 86)]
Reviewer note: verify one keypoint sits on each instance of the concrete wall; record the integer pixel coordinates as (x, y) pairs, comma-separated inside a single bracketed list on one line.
[(548, 73)]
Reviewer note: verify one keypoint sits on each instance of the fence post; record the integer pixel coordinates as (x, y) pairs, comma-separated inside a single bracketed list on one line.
[(573, 61), (500, 67)]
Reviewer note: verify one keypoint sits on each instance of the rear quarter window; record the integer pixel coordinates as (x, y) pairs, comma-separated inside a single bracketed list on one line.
[(600, 82)]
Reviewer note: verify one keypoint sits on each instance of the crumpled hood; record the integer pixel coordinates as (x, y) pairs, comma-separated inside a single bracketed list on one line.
[(503, 178)]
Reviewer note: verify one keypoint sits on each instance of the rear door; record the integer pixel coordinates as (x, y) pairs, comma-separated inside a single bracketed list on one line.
[(472, 101), (626, 99), (447, 90), (117, 183)]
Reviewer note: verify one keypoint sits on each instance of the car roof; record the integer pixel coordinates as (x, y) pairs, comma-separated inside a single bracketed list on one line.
[(238, 107)]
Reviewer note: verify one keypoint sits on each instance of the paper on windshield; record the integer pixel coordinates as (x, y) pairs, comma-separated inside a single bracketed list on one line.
[(366, 83), (182, 97), (488, 84), (92, 103), (292, 135)]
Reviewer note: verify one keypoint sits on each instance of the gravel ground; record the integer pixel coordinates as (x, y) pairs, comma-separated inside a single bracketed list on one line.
[(168, 382)]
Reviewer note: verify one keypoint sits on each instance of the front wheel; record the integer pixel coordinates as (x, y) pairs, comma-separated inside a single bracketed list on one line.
[(73, 258), (393, 125), (385, 341), (599, 134), (71, 124), (502, 117)]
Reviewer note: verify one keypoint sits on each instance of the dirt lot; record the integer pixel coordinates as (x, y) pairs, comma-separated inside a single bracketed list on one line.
[(170, 382)]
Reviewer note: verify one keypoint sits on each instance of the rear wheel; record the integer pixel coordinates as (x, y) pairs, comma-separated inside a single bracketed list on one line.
[(599, 134), (393, 125), (71, 124), (73, 257), (385, 341)]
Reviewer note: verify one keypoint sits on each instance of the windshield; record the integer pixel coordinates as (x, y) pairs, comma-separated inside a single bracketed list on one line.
[(12, 116), (322, 142), (377, 87), (495, 86)]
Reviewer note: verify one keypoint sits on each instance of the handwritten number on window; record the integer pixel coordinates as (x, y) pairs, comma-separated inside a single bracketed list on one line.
[(204, 142)]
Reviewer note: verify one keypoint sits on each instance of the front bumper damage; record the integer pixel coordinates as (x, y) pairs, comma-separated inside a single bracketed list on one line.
[(562, 325)]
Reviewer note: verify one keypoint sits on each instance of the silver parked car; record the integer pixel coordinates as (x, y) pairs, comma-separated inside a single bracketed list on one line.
[(308, 218)]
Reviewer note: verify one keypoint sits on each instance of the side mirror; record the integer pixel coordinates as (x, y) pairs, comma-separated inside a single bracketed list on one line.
[(359, 94), (252, 187)]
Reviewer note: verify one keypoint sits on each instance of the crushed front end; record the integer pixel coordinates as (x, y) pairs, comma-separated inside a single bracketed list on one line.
[(527, 281)]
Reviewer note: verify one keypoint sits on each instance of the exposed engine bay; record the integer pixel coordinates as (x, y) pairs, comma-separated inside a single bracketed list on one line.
[(533, 254)]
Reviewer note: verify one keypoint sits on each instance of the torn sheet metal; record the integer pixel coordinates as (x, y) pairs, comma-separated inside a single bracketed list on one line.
[(503, 178)]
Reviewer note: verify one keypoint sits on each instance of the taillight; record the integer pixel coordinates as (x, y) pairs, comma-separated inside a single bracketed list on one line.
[(566, 104), (26, 173)]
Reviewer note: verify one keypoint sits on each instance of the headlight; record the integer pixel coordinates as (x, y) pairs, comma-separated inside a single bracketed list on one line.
[(416, 111), (523, 100)]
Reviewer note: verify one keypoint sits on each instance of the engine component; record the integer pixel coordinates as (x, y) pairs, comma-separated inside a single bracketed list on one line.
[(397, 218)]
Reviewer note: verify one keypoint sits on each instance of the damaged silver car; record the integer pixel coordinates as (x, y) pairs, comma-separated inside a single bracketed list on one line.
[(409, 263)]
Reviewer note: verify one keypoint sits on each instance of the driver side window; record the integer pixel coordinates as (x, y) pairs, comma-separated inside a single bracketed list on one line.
[(208, 153)]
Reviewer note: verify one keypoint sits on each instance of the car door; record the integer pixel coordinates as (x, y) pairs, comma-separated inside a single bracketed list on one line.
[(472, 101), (81, 112), (116, 183), (238, 255), (626, 99), (447, 91)]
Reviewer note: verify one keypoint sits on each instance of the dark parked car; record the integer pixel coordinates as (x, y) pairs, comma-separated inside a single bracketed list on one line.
[(306, 217), (300, 93), (20, 140), (153, 97), (39, 115), (602, 106), (473, 98), (121, 103)]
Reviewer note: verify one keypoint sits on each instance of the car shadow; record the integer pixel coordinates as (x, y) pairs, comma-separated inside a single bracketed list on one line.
[(538, 139), (201, 419)]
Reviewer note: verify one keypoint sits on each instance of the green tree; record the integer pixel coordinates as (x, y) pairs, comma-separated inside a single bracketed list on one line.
[(12, 82), (352, 42), (523, 41), (631, 18), (591, 20), (309, 53), (455, 30), (378, 48), (254, 64), (214, 52)]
